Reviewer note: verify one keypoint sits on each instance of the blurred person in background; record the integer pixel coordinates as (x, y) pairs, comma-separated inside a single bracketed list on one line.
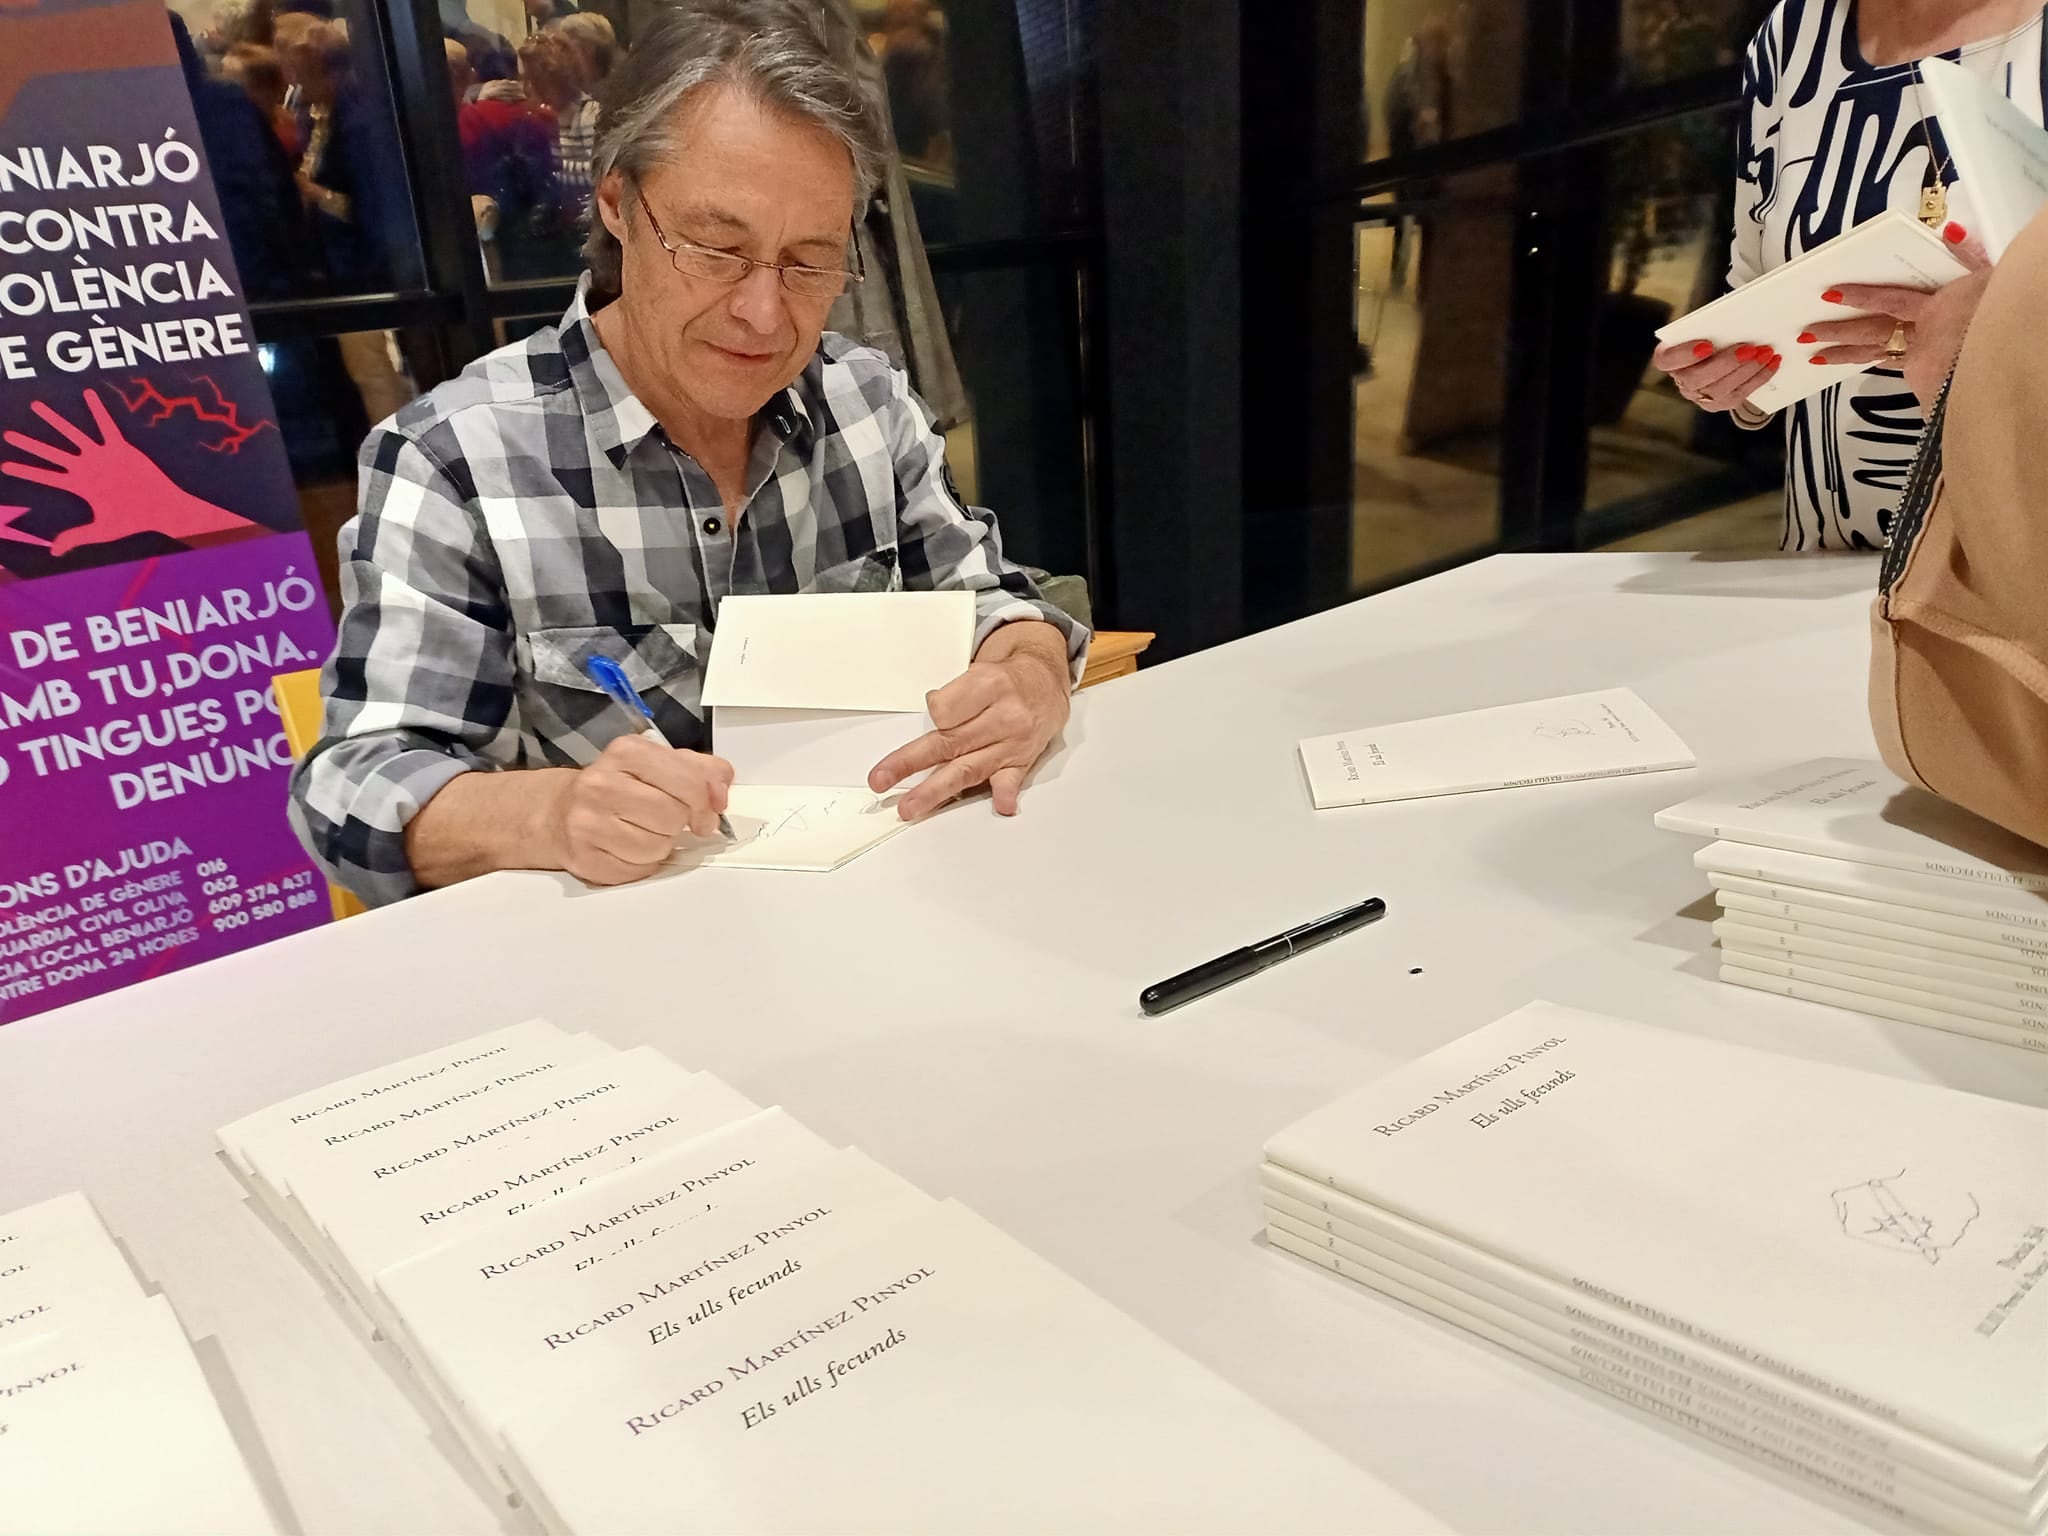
[(597, 45), (508, 154), (551, 65), (259, 73)]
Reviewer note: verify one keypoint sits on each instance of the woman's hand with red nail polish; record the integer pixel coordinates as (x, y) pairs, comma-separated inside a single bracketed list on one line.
[(1717, 380), (1931, 325)]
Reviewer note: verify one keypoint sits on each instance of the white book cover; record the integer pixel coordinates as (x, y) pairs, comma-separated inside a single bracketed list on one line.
[(1545, 741), (1898, 989), (1797, 917), (1785, 1409), (1650, 1386), (277, 1152), (936, 1377), (1736, 970), (372, 1086), (112, 1428), (445, 1198), (1983, 986), (1876, 1237), (808, 830), (1755, 931), (1776, 309), (2005, 906), (58, 1265), (2000, 154), (492, 1326), (2020, 941), (1841, 808)]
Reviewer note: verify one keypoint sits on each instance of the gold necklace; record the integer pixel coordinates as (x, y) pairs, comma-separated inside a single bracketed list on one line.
[(1934, 190)]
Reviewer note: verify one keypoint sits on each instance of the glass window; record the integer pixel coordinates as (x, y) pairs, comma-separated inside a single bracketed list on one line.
[(1437, 70), (1435, 277), (1671, 39), (294, 109), (1670, 207)]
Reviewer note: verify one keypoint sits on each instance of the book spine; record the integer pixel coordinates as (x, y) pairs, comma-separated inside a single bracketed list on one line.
[(1583, 1309), (2020, 940), (1821, 847), (1797, 918), (2016, 910), (1349, 1262), (2014, 977), (1961, 1000), (1883, 1007), (1905, 1415)]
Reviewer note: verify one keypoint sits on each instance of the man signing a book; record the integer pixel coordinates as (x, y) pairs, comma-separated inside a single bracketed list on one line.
[(688, 431)]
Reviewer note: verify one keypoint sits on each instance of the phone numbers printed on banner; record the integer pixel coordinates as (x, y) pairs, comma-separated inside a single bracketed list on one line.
[(88, 918)]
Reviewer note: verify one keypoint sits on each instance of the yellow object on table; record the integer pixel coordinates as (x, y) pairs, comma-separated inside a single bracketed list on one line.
[(1114, 653)]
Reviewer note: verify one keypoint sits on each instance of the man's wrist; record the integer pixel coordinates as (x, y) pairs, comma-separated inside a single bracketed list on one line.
[(1036, 639)]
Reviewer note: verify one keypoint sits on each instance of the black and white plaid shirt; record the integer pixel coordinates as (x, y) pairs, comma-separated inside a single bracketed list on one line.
[(531, 514)]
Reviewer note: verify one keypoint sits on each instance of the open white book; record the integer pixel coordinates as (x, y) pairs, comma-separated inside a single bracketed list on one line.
[(1778, 307), (1879, 1241), (1545, 741), (808, 692), (2000, 154)]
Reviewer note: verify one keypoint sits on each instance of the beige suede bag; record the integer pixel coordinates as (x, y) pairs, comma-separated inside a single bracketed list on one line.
[(1959, 644)]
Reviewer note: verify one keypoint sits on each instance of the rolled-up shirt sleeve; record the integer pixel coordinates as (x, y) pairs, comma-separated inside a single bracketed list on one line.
[(421, 681), (946, 545)]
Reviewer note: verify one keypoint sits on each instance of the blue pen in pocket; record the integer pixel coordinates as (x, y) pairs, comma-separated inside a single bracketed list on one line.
[(610, 678)]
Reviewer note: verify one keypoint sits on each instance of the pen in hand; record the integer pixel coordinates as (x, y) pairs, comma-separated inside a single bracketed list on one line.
[(610, 678)]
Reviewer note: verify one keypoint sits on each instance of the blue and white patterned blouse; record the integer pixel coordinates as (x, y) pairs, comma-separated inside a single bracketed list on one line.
[(1829, 141)]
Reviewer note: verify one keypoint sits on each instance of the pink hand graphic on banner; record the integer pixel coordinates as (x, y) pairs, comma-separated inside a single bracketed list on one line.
[(126, 490)]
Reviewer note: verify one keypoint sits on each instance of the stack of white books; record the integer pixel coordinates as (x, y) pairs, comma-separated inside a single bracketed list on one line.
[(1841, 1276), (1840, 884), (106, 1419), (642, 1302)]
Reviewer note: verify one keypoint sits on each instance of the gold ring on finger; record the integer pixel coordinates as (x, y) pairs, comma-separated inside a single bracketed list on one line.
[(1896, 347)]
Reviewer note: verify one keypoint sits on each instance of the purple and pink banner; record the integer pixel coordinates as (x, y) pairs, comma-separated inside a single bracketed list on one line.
[(154, 576)]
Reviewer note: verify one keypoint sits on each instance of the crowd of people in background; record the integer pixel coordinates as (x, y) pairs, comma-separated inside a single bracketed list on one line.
[(285, 103)]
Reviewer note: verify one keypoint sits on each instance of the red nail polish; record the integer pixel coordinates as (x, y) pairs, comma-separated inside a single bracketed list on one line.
[(1817, 357), (1954, 233), (1744, 353), (1832, 296), (1775, 359), (1807, 338), (1703, 349)]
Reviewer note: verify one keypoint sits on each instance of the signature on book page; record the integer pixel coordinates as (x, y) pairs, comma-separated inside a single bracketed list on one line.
[(1906, 1219)]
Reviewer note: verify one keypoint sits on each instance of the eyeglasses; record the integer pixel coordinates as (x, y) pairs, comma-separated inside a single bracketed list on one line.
[(729, 267)]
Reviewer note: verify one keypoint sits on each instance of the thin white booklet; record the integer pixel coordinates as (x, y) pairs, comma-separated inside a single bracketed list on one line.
[(57, 1267), (1891, 251), (1844, 808), (935, 1376), (588, 1129), (111, 1427), (2000, 154), (1546, 741), (1878, 1240)]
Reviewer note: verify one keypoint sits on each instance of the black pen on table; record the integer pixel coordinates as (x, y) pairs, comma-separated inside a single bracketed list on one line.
[(1253, 958)]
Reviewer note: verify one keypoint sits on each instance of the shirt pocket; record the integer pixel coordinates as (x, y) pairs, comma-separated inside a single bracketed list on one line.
[(879, 570), (573, 720)]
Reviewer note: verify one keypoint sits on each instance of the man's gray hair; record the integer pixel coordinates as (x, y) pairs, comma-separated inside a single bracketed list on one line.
[(802, 57)]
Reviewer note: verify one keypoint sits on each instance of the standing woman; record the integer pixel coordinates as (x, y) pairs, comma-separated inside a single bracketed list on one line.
[(1835, 130)]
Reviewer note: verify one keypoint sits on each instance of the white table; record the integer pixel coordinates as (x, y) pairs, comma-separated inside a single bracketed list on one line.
[(961, 1004)]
